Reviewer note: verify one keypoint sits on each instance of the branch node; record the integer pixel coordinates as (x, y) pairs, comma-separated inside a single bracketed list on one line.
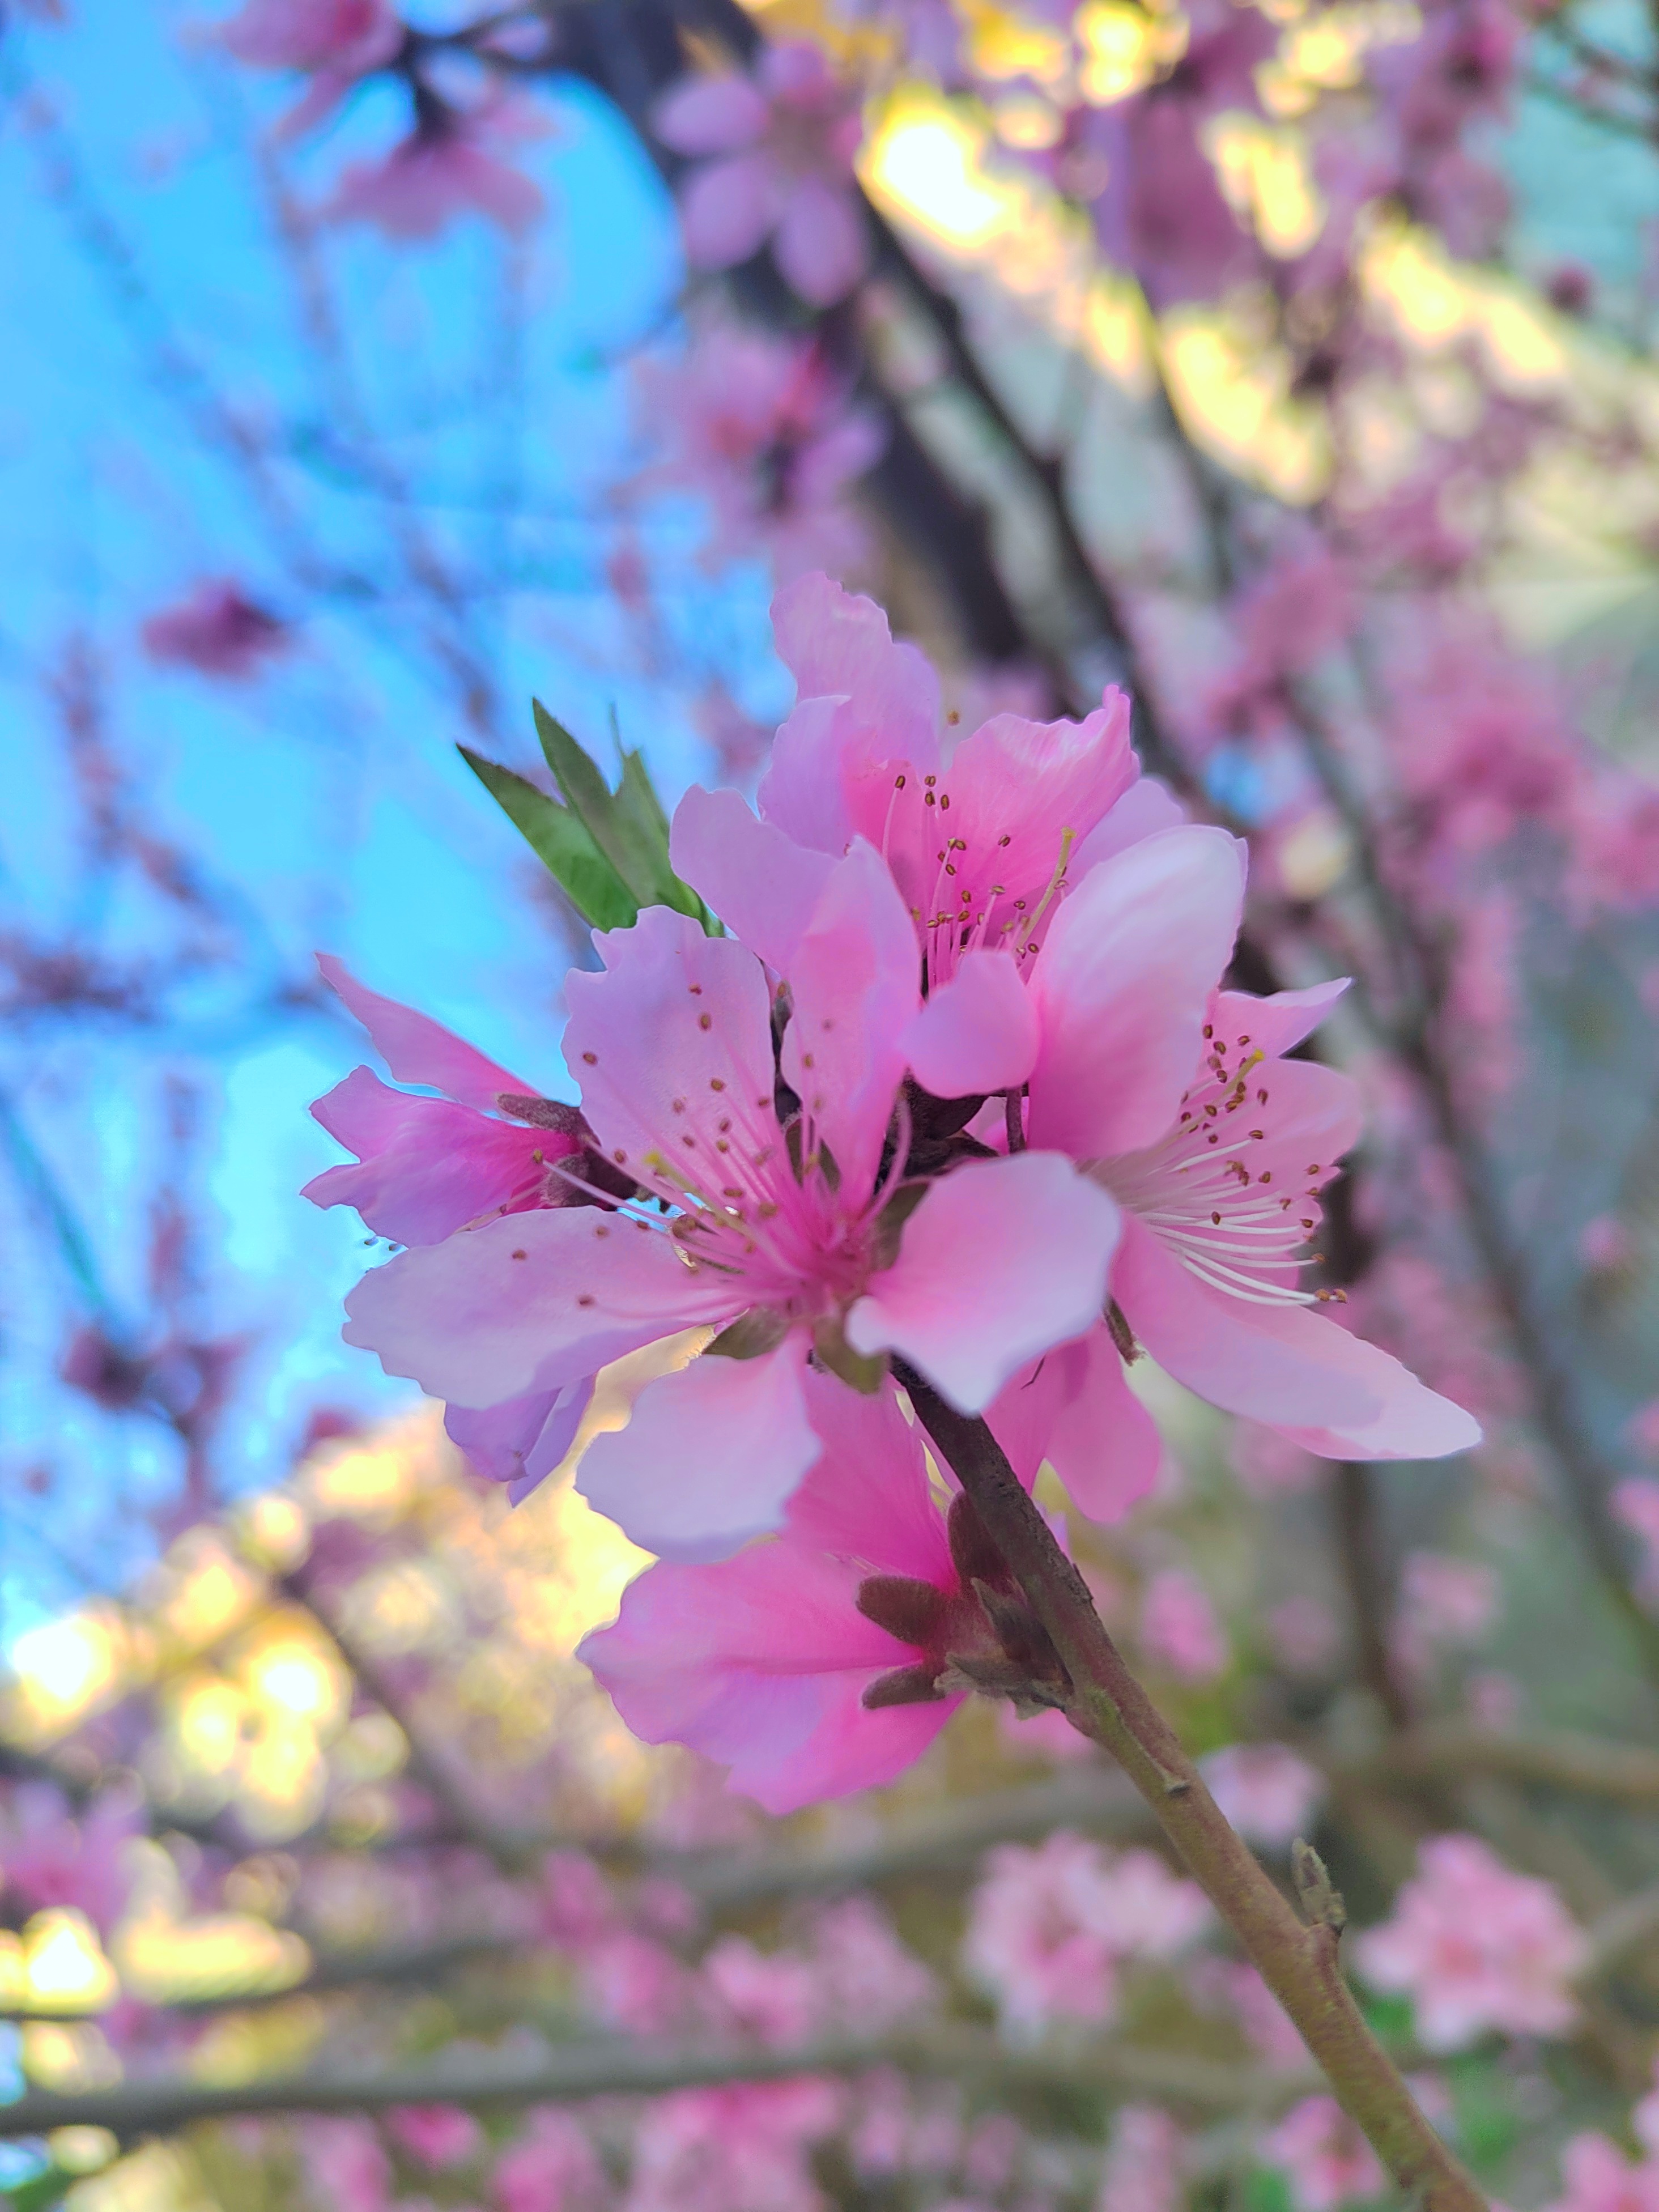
[(1321, 1900)]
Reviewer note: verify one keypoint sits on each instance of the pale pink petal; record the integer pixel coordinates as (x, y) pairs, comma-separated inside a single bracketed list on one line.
[(761, 885), (1292, 1368), (760, 1664), (1001, 1260), (418, 1049), (726, 208), (836, 645), (797, 71), (669, 1039), (1076, 1410), (821, 247), (710, 1457), (1146, 807), (1275, 1024), (470, 1322), (709, 115), (1122, 987), (853, 978), (978, 1032), (802, 792), (427, 1167), (868, 1499), (520, 1441)]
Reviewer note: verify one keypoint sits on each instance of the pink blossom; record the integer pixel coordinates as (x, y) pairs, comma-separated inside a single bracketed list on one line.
[(1477, 1948), (740, 2150), (740, 1218), (763, 429), (436, 2134), (551, 2167), (771, 1997), (49, 1859), (1636, 1503), (1597, 2177), (1305, 1633), (764, 1661), (346, 2165), (1267, 1465), (343, 37), (1267, 1793), (1179, 1630), (1234, 1986), (1445, 1603), (773, 157), (1326, 2159), (429, 1166), (218, 631), (1033, 916), (1050, 1924), (1145, 2165), (1606, 1246), (868, 1981), (443, 171)]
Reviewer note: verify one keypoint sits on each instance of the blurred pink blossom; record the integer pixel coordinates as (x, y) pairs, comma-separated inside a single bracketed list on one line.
[(48, 1858), (436, 2134), (1606, 1244), (773, 158), (741, 2150), (1597, 2177), (1270, 1465), (343, 37), (218, 631), (763, 429), (1476, 1948), (868, 1980), (1446, 1604), (1179, 1630), (1305, 1634), (444, 170), (1326, 2159), (1145, 2164), (1049, 1924), (551, 2167), (772, 1997), (1267, 1792), (1233, 1985), (346, 2165)]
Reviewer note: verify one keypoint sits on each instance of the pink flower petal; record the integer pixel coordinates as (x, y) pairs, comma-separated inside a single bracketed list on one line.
[(1122, 984), (676, 1016), (420, 1050), (470, 1323), (520, 1441), (839, 646), (762, 885), (978, 1032), (821, 246), (1146, 807), (1001, 1262), (710, 1457), (1076, 1410), (726, 208), (709, 115), (1277, 1024), (427, 1167), (868, 1499), (854, 982), (1294, 1370), (801, 792), (760, 1664)]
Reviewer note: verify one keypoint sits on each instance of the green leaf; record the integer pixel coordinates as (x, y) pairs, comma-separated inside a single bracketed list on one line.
[(627, 824), (588, 877)]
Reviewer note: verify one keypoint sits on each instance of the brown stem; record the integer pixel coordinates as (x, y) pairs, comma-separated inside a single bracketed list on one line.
[(1297, 1961), (1353, 1503)]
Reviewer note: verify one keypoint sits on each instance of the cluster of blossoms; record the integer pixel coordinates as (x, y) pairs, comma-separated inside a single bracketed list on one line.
[(961, 1093)]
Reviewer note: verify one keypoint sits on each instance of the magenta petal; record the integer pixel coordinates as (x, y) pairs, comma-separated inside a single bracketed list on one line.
[(1146, 807), (821, 247), (759, 1663), (1274, 1024), (520, 1441), (472, 1324), (1001, 1262), (978, 1032), (709, 115), (869, 1499), (428, 1167), (854, 982), (1122, 985), (1076, 1410), (418, 1049), (673, 1035), (761, 885), (710, 1457), (726, 208), (1282, 1365)]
